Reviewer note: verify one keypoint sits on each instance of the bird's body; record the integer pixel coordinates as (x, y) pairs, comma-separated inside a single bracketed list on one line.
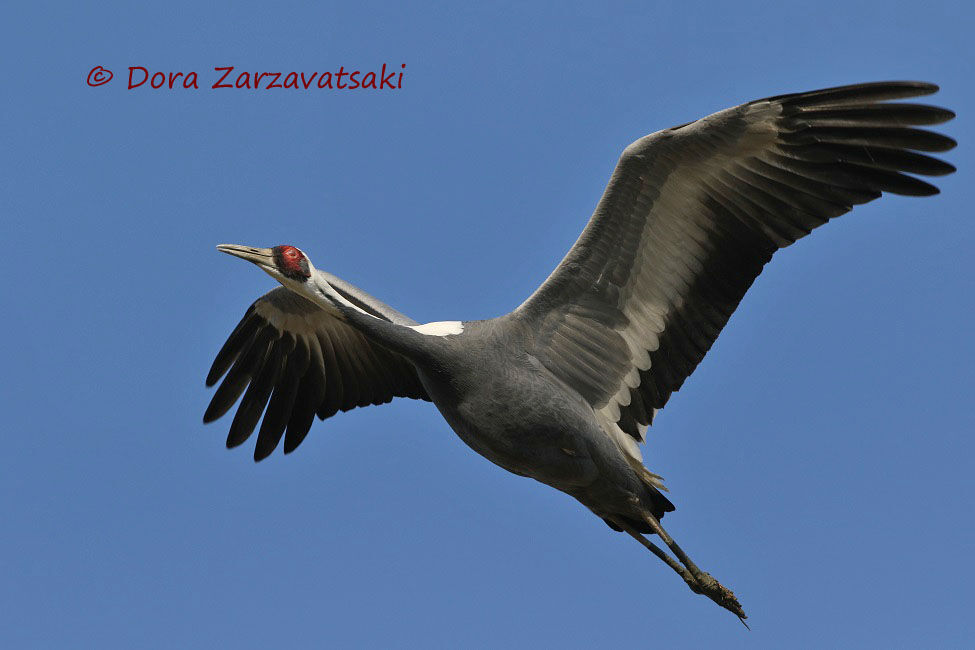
[(509, 408), (563, 388)]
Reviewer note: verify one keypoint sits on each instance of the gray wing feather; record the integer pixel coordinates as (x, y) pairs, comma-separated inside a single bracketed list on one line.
[(293, 360), (690, 217)]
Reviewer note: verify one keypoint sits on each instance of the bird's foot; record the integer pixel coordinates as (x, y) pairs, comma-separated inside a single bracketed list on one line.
[(701, 582)]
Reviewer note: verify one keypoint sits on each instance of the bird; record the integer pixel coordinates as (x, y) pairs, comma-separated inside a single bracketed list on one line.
[(563, 388)]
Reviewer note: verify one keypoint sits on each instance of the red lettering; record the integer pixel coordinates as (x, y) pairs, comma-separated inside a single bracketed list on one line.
[(144, 72), (382, 77), (219, 83), (343, 79)]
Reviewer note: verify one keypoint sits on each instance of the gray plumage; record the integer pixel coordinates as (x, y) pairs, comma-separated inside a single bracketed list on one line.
[(563, 388)]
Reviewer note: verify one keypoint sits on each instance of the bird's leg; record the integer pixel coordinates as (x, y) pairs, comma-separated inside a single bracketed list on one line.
[(700, 581), (655, 526), (669, 561)]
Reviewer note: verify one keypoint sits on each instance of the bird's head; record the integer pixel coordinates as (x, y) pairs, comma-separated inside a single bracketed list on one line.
[(286, 264)]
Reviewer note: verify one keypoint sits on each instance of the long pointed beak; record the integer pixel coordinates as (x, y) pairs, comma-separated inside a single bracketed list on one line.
[(263, 257)]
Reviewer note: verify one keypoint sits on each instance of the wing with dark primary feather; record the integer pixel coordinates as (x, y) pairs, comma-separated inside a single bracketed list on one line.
[(298, 361), (690, 217)]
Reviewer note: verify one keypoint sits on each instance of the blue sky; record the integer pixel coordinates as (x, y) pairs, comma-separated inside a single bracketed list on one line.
[(820, 458)]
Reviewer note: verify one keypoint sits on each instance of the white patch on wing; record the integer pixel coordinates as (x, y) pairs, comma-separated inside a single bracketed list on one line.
[(440, 328)]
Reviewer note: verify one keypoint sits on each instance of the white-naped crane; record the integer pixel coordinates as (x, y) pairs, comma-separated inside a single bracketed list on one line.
[(563, 388)]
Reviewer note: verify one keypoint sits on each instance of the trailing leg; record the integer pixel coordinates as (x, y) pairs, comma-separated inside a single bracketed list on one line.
[(699, 581)]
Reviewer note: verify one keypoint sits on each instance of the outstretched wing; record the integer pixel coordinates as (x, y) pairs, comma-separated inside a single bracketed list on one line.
[(299, 360), (690, 217)]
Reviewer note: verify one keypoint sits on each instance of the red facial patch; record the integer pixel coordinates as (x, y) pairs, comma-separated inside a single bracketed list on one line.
[(291, 262)]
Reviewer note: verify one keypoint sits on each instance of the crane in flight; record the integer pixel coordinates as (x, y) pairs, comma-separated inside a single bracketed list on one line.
[(563, 388)]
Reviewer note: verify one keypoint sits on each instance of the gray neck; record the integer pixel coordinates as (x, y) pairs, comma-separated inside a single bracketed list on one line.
[(399, 338)]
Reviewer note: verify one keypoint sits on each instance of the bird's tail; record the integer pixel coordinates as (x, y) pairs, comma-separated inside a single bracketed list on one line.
[(659, 504), (653, 499)]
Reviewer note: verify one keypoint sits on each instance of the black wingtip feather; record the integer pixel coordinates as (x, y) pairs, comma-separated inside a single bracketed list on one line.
[(257, 395), (283, 401), (296, 434), (880, 157), (875, 114), (874, 92), (869, 136), (237, 341), (239, 376)]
